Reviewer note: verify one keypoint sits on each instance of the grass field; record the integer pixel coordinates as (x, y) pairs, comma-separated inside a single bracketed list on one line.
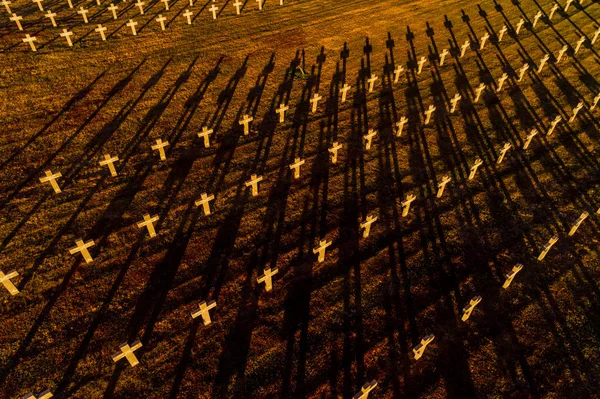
[(326, 328)]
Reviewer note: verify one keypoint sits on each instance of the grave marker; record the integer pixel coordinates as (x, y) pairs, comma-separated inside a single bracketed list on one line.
[(576, 111), (160, 146), (464, 48), (365, 390), (397, 71), (561, 52), (30, 40), (595, 102), (454, 102), (596, 34), (467, 310), (510, 276), (344, 91), (553, 124), (419, 349), (530, 137), (281, 111), (140, 4), (126, 351), (253, 183), (237, 6), (479, 90), (315, 101), (536, 18), (323, 244), (406, 204), (334, 151), (50, 177), (260, 4), (70, 4), (246, 122), (267, 278), (161, 20), (543, 61), (6, 4), (422, 62), (503, 151), (442, 185), (204, 135), (476, 165), (113, 9), (547, 247), (579, 44), (519, 25), (43, 395), (483, 40), (568, 5), (578, 222), (296, 167), (428, 114), (166, 2), (522, 71), (132, 24), (83, 248), (443, 55), (203, 310), (67, 35), (17, 19), (50, 15), (366, 225), (204, 201), (101, 29), (501, 81), (400, 124), (369, 138), (555, 7), (83, 12), (188, 16), (39, 4), (5, 281), (372, 81), (501, 33), (148, 223)]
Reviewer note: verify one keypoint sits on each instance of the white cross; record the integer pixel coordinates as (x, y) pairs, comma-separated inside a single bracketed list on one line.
[(595, 101), (519, 25), (6, 5), (419, 349), (127, 352), (536, 18), (83, 12), (203, 310), (502, 32), (266, 277), (344, 91), (479, 90), (464, 48), (530, 137), (30, 40), (166, 4), (113, 8), (148, 224), (366, 225), (555, 122), (522, 71), (579, 44), (467, 310), (553, 10), (191, 3), (82, 247), (406, 204), (368, 138), (595, 37), (160, 146), (365, 390), (5, 281), (428, 113), (510, 276), (161, 20), (568, 4), (246, 122), (70, 4), (543, 61), (445, 180), (323, 244), (501, 81), (140, 4), (39, 3), (42, 395), (334, 151), (443, 55), (484, 40), (476, 165), (17, 19), (188, 15), (204, 201), (576, 111), (101, 29), (371, 81), (400, 125), (547, 247), (51, 16), (503, 151), (561, 52), (260, 2), (50, 177), (204, 135), (214, 10), (253, 183), (397, 71), (422, 62), (578, 222), (237, 6), (108, 160), (281, 111), (296, 166), (315, 101), (454, 102), (67, 35)]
